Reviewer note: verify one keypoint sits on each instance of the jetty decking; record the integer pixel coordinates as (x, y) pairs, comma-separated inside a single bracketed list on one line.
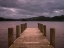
[(31, 38)]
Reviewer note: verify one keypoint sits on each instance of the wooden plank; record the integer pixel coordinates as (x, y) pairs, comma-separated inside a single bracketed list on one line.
[(31, 38)]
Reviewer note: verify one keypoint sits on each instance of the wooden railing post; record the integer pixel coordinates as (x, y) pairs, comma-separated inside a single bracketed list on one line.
[(17, 31), (44, 30), (52, 37), (10, 36)]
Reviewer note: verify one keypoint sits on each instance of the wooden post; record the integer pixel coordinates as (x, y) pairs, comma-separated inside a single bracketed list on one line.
[(44, 30), (25, 25), (17, 31), (52, 37), (22, 27), (38, 25), (10, 36)]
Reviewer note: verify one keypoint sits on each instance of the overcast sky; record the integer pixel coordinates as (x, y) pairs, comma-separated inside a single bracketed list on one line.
[(31, 8)]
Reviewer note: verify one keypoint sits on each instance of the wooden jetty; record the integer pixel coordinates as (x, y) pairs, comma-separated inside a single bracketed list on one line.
[(31, 37)]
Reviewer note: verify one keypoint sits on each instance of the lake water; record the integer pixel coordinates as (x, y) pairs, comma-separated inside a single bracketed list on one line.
[(59, 31)]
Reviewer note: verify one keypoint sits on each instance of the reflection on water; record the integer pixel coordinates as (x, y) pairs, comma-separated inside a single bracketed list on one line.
[(59, 29)]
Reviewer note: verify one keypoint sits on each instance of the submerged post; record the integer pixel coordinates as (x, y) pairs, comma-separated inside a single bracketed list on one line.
[(17, 31), (52, 37), (44, 30), (10, 36)]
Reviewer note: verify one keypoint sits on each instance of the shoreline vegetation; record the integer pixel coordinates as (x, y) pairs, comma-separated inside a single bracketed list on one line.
[(40, 18)]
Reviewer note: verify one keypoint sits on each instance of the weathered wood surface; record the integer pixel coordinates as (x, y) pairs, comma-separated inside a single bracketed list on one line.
[(31, 38)]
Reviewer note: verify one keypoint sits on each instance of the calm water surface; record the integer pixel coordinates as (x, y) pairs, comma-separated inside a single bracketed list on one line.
[(59, 30)]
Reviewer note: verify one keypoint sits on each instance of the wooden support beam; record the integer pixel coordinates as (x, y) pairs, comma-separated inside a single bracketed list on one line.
[(52, 37), (10, 36)]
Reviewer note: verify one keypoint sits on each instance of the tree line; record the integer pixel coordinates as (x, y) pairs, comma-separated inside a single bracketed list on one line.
[(40, 18)]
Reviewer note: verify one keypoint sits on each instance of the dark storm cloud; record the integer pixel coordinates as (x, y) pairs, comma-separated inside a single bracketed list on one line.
[(8, 3), (29, 8)]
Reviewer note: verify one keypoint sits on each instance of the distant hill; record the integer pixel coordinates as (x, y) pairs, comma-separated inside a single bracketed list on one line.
[(43, 18), (40, 18)]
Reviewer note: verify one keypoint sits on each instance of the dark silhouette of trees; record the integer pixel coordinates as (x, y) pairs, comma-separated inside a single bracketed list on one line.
[(58, 18), (23, 19), (2, 19)]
